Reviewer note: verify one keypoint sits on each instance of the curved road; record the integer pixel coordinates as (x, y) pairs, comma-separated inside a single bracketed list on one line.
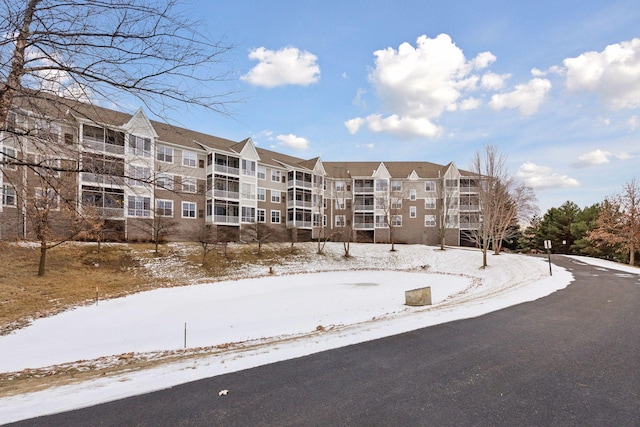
[(569, 359)]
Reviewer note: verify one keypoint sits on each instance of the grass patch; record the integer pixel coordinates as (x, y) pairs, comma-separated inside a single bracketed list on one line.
[(73, 273), (75, 270)]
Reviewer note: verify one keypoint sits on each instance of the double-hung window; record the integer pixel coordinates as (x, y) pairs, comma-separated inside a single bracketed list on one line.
[(140, 146), (189, 159), (189, 184), (189, 210)]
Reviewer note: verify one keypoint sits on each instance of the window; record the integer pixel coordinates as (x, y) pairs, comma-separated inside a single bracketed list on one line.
[(262, 194), (12, 121), (248, 191), (139, 206), (164, 207), (139, 175), (382, 185), (396, 220), (189, 210), (430, 203), (412, 194), (249, 167), (451, 183), (396, 203), (275, 217), (429, 220), (341, 221), (381, 221), (324, 220), (340, 204), (189, 184), (189, 159), (140, 146), (275, 175), (262, 172), (412, 211), (164, 180), (47, 130), (47, 167), (339, 186), (8, 157), (8, 195), (275, 196), (452, 221), (248, 214), (164, 154), (47, 198), (396, 186), (430, 186), (261, 215)]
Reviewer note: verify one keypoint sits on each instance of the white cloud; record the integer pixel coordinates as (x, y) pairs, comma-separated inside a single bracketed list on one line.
[(537, 176), (470, 104), (538, 73), (293, 141), (613, 73), (493, 81), (287, 66), (526, 97), (417, 84), (633, 122), (592, 158), (354, 125), (624, 156), (483, 60), (394, 124)]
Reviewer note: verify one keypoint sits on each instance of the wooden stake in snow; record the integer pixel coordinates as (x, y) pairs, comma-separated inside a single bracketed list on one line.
[(185, 334), (96, 296)]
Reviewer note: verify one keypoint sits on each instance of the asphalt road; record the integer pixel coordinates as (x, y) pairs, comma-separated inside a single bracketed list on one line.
[(570, 359)]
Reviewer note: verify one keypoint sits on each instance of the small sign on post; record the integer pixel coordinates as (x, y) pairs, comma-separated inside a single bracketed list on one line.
[(547, 246)]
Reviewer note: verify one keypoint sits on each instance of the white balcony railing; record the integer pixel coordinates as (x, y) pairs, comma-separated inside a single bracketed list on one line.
[(363, 225), (97, 145), (300, 224), (102, 179), (227, 169), (226, 194), (366, 208), (224, 219)]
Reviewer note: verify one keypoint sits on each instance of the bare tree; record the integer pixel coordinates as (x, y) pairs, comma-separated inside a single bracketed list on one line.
[(94, 50), (489, 167), (391, 206), (618, 225), (160, 227), (514, 203), (261, 233), (445, 203), (61, 60), (205, 236)]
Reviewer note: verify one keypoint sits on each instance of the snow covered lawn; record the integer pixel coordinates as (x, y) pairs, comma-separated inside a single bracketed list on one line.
[(330, 302)]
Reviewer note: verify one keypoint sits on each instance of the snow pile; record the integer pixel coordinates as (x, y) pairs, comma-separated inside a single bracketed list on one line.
[(333, 301)]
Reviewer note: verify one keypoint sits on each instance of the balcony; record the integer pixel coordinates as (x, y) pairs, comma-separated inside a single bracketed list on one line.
[(363, 207), (97, 145), (229, 170), (111, 213), (224, 219), (363, 189), (300, 224), (469, 208), (102, 179), (363, 225), (225, 194)]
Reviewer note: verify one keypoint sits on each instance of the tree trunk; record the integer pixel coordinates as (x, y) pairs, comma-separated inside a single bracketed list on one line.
[(43, 258)]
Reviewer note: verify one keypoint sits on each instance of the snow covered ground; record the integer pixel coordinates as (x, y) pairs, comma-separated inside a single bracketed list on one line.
[(302, 309)]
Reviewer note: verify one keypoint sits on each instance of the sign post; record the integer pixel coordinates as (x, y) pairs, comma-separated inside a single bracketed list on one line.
[(547, 246)]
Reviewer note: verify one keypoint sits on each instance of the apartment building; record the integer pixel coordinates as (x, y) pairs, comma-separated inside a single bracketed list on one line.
[(142, 177)]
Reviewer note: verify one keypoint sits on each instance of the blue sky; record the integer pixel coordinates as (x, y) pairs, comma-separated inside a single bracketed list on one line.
[(554, 84)]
